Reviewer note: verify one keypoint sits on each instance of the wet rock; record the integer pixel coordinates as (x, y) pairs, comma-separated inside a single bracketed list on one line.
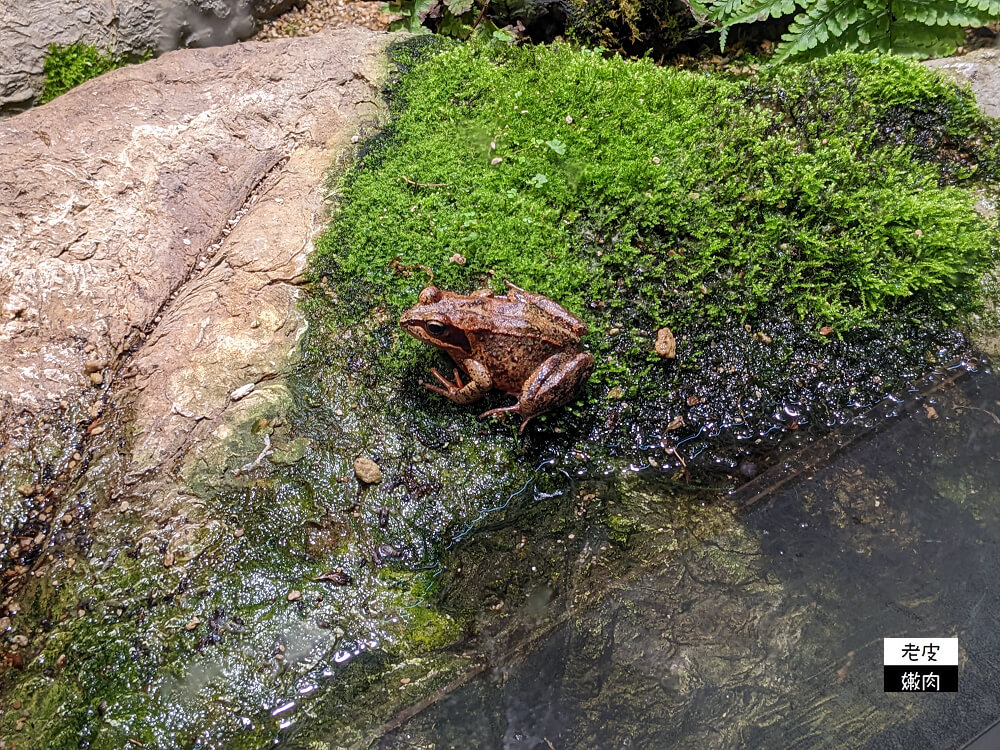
[(125, 253), (367, 471)]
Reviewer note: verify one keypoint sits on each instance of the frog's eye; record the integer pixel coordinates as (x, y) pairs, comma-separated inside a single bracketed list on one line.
[(435, 328)]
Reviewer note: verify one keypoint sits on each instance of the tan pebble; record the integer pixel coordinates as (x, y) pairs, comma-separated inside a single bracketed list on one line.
[(405, 681), (762, 338), (168, 559), (26, 489), (91, 365), (61, 661), (124, 505), (355, 138), (96, 430), (77, 457), (20, 640), (192, 623), (666, 344), (238, 533), (294, 596), (367, 471), (67, 518), (4, 623), (457, 259), (496, 160)]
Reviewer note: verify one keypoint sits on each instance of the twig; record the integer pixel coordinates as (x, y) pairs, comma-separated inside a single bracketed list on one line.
[(481, 14), (976, 408), (425, 184)]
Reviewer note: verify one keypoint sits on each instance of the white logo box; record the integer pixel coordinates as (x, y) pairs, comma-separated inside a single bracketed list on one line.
[(944, 650)]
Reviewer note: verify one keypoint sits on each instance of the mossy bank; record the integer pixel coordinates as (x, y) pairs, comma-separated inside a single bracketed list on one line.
[(809, 234)]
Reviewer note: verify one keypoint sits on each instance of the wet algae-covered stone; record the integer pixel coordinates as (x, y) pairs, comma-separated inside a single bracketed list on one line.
[(623, 193)]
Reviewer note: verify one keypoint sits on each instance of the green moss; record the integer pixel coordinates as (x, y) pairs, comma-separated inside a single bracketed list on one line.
[(837, 196), (68, 66)]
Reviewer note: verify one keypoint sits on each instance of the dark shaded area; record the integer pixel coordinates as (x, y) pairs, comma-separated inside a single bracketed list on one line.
[(769, 632)]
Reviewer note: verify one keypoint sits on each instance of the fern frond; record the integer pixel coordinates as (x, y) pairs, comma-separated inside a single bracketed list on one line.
[(722, 9), (935, 12), (818, 24), (757, 11), (987, 6), (915, 39)]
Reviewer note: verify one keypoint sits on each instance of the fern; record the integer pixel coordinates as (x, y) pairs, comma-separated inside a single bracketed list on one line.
[(917, 28)]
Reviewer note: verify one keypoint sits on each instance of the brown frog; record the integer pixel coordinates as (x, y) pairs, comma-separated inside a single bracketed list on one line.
[(521, 343)]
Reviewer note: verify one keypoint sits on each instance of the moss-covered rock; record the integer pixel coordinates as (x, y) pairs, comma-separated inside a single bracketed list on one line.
[(808, 235)]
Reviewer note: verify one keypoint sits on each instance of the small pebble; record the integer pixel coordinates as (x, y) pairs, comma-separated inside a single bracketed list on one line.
[(294, 596), (666, 344), (192, 623), (96, 378), (367, 471)]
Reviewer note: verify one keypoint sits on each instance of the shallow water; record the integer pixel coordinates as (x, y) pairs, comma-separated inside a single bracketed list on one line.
[(767, 632)]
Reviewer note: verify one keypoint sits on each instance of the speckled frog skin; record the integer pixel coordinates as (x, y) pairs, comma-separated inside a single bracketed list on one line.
[(521, 343)]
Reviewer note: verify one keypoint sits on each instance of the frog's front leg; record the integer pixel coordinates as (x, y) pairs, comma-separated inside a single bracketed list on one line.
[(552, 384), (478, 386)]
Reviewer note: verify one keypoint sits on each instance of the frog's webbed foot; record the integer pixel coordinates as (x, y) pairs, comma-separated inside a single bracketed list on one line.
[(480, 382), (501, 411)]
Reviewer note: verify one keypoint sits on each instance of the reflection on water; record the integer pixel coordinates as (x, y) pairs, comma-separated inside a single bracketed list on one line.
[(768, 633)]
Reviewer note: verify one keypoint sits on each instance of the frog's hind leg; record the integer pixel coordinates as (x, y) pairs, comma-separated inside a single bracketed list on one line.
[(552, 384)]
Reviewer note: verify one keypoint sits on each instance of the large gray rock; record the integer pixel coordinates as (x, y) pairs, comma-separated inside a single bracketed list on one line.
[(979, 69), (28, 27), (154, 226)]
